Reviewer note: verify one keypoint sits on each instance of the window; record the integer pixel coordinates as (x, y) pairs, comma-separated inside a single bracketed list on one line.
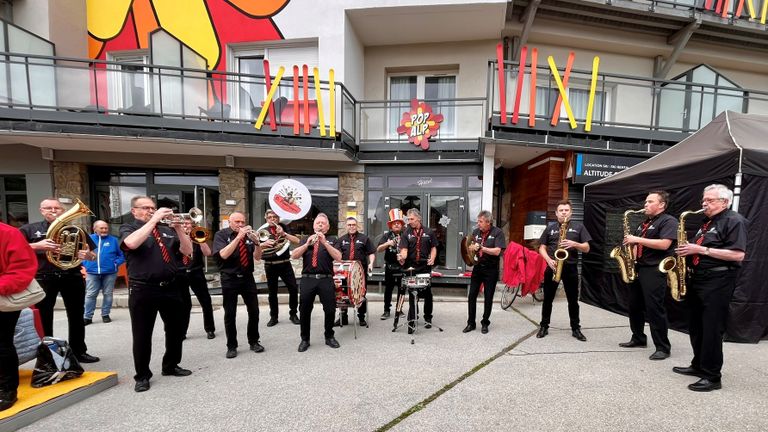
[(13, 200), (697, 96), (129, 83), (433, 88), (546, 98)]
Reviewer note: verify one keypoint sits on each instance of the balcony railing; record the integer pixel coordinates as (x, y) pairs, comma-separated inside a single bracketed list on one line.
[(464, 120), (623, 103), (164, 96)]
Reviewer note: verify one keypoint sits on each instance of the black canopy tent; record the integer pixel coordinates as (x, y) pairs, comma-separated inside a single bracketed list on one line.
[(731, 150)]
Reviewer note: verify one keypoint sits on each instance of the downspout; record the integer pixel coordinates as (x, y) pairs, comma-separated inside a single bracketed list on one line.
[(737, 177)]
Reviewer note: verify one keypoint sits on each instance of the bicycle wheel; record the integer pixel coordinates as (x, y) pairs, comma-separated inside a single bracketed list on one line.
[(538, 295), (508, 296)]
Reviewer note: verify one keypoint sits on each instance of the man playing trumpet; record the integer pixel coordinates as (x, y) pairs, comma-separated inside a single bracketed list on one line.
[(236, 250)]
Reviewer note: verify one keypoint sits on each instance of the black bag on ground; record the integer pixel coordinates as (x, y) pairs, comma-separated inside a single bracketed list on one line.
[(55, 362)]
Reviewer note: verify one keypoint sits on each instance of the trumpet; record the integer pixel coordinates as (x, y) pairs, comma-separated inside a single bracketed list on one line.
[(200, 234), (313, 239), (194, 214)]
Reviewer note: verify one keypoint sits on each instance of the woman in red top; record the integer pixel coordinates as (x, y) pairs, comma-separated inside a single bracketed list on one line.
[(18, 266)]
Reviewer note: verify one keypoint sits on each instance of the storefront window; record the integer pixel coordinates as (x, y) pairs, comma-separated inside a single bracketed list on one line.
[(325, 199), (194, 179), (13, 200)]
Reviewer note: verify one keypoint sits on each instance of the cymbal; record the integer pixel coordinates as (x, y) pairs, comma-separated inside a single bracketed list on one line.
[(410, 269)]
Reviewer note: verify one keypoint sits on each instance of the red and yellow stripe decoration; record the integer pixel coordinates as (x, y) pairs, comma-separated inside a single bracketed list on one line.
[(562, 87)]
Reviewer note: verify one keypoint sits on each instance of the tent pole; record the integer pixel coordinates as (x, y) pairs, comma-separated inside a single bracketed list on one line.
[(736, 191)]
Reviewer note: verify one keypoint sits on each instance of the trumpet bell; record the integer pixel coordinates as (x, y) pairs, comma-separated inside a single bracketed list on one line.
[(195, 214)]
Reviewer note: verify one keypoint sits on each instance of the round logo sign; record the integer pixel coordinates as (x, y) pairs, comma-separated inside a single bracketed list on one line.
[(290, 199)]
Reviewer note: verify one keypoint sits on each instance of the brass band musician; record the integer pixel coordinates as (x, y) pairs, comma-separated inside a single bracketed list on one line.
[(279, 267), (393, 272), (653, 241), (418, 251), (356, 246), (488, 243)]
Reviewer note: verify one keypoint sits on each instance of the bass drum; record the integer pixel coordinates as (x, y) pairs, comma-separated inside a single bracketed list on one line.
[(349, 277)]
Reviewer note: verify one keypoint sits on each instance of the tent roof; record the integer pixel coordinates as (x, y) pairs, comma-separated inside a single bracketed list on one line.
[(730, 143)]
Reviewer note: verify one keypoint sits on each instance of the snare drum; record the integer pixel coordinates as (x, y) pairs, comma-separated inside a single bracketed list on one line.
[(419, 282), (349, 279)]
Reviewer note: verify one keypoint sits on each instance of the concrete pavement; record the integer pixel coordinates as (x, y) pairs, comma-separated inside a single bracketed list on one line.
[(506, 379)]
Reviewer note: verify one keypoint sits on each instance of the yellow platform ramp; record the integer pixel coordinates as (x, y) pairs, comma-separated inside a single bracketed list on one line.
[(36, 403)]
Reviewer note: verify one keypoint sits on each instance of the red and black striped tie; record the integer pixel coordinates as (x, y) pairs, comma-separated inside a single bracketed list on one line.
[(315, 251), (351, 247), (163, 249), (646, 224), (699, 241), (243, 255), (418, 243)]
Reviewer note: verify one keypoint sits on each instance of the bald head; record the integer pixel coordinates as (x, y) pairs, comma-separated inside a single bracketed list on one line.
[(236, 221)]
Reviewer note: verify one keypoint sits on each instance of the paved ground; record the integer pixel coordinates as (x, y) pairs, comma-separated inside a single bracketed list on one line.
[(446, 381)]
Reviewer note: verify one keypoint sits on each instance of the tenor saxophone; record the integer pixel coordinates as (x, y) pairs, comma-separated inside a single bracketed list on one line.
[(625, 254), (561, 254), (674, 266)]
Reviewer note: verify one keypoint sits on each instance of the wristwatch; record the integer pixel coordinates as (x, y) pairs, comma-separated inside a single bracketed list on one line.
[(706, 251)]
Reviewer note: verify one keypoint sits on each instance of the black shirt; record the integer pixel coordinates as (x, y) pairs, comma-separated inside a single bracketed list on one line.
[(494, 239), (36, 232), (232, 265), (727, 230), (324, 259), (390, 255), (551, 238), (275, 257), (145, 263), (197, 258), (363, 248), (660, 227), (408, 240)]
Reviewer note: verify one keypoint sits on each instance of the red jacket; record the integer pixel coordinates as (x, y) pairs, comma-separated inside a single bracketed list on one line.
[(523, 266), (18, 263)]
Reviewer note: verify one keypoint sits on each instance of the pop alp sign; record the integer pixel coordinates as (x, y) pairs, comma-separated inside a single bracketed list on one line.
[(420, 124)]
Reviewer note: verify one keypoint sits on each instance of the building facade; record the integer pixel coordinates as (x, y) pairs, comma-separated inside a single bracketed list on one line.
[(449, 107)]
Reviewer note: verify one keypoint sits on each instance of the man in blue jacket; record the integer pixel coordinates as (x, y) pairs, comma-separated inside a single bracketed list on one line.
[(101, 272)]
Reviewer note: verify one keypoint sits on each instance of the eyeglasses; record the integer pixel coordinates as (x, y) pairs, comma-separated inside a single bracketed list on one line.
[(146, 208), (51, 208), (711, 200)]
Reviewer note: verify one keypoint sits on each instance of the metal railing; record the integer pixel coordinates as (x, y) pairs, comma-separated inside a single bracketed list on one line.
[(623, 101), (144, 91)]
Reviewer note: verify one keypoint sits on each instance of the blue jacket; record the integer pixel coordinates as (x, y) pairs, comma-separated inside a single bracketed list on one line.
[(108, 256)]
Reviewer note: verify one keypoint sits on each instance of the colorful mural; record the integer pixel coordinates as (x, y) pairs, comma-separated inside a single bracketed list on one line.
[(205, 26)]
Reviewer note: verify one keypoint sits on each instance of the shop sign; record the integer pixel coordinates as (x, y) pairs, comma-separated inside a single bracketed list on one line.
[(290, 199), (419, 124), (591, 167)]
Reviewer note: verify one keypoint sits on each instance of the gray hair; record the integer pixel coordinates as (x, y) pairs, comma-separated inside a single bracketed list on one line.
[(324, 216), (414, 212), (140, 197), (96, 222), (485, 214), (722, 192)]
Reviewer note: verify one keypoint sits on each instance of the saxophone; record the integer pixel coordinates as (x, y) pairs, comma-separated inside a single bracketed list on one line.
[(70, 238), (674, 266), (560, 254), (625, 254)]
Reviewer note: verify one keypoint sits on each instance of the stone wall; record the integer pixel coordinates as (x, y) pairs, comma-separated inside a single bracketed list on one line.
[(70, 180), (233, 186), (351, 189)]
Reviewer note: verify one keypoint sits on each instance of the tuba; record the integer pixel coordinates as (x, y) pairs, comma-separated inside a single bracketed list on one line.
[(281, 245), (674, 266), (467, 254), (560, 254), (625, 254), (70, 238)]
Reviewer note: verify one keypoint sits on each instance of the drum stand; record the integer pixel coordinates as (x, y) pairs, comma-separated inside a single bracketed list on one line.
[(415, 293), (346, 306)]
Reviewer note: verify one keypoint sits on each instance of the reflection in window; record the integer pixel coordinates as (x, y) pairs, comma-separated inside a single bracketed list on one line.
[(13, 200)]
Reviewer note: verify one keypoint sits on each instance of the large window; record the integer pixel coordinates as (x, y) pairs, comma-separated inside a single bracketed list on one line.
[(546, 98), (432, 87), (325, 199), (13, 200), (696, 97), (129, 83)]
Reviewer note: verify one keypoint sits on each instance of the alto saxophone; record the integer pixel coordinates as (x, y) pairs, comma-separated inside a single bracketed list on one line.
[(674, 266), (625, 254), (561, 254)]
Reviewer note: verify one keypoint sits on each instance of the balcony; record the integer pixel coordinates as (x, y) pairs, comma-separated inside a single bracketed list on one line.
[(632, 115), (56, 94)]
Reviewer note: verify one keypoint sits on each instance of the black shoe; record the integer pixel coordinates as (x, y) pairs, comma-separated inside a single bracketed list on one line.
[(177, 371), (332, 342), (705, 385), (210, 334), (659, 355), (142, 385), (7, 399), (691, 371), (256, 347), (385, 315), (363, 322), (484, 329), (337, 323), (303, 345), (578, 335), (232, 353), (633, 344), (87, 321), (87, 358), (428, 324), (543, 331), (272, 322), (468, 328), (106, 319), (294, 319)]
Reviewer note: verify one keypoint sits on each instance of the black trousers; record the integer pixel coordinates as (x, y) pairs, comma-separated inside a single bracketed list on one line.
[(392, 281), (310, 287), (196, 280), (426, 294), (570, 278), (646, 301), (285, 272), (488, 278), (72, 289), (708, 297), (144, 303), (9, 361), (245, 287)]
